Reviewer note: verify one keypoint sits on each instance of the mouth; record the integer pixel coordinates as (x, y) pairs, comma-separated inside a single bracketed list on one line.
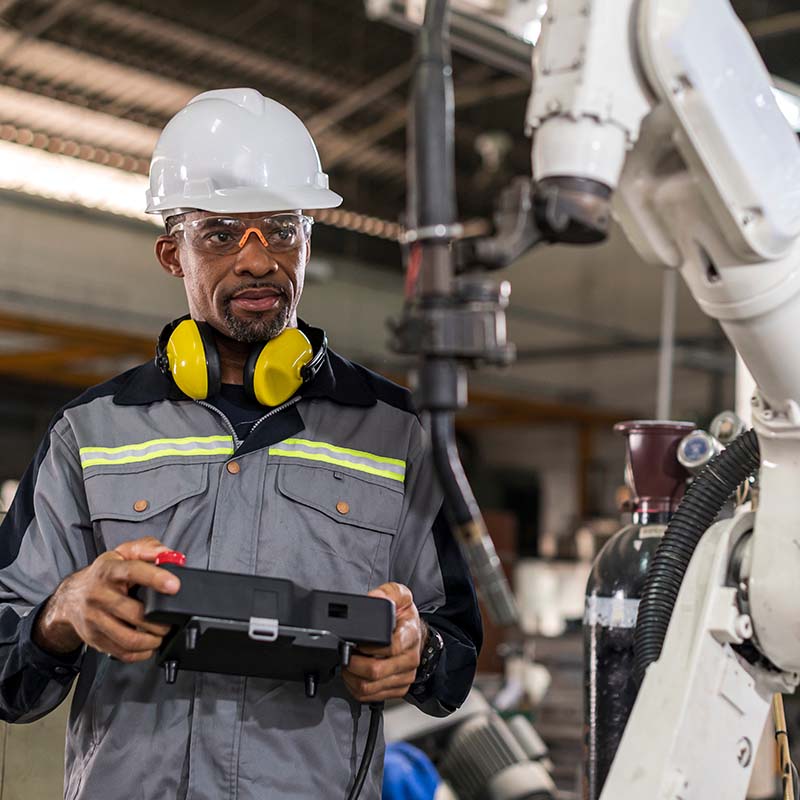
[(264, 299)]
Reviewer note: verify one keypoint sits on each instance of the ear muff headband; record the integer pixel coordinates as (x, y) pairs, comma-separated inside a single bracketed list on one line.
[(187, 352)]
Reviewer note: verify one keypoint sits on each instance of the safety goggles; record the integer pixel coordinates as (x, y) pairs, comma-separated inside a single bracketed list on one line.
[(224, 235)]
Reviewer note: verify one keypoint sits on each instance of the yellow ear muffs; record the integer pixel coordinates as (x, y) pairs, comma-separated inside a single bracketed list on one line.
[(275, 371), (193, 359)]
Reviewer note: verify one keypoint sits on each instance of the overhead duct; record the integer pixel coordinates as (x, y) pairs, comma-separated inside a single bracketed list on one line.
[(501, 33), (496, 32)]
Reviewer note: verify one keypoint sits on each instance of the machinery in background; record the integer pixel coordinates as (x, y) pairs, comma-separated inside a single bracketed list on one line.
[(657, 481), (496, 32), (488, 757), (661, 114), (699, 447), (449, 324), (480, 755)]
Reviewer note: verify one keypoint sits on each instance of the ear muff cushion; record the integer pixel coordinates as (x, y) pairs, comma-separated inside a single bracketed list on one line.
[(249, 371), (212, 358), (193, 359), (274, 372)]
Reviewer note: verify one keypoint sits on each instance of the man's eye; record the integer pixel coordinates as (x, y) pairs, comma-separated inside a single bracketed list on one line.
[(220, 237), (287, 234)]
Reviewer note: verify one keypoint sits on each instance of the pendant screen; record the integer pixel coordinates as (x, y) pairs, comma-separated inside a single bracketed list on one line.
[(187, 360), (277, 374)]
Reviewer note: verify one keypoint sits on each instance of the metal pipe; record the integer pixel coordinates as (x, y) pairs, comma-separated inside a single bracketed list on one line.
[(432, 215), (433, 194), (666, 357), (745, 388)]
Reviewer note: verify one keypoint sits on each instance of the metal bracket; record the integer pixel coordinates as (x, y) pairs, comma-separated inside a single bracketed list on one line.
[(433, 232), (263, 629), (471, 326)]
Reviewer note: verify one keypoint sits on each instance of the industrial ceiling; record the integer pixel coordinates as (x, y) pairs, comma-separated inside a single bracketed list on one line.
[(93, 81), (97, 80)]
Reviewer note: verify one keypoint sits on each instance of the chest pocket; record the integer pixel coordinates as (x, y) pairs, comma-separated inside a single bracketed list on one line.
[(168, 502), (334, 527)]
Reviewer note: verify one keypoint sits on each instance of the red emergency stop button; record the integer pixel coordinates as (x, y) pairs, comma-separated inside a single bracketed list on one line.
[(171, 557)]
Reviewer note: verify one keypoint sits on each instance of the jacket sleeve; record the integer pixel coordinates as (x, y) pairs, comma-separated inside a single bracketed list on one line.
[(428, 560), (46, 536)]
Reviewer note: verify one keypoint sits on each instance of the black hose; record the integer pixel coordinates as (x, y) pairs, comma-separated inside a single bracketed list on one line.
[(699, 508), (460, 500), (375, 710), (467, 522)]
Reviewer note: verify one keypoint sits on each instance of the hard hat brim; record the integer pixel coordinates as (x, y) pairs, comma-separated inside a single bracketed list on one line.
[(244, 200)]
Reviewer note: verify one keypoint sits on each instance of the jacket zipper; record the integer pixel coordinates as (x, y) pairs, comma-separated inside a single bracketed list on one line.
[(228, 425), (236, 440), (274, 411)]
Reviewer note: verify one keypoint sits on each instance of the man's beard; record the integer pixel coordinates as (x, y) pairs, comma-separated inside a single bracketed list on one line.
[(257, 329)]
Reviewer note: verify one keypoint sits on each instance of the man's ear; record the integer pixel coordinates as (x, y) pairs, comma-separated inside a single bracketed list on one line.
[(308, 251), (168, 255)]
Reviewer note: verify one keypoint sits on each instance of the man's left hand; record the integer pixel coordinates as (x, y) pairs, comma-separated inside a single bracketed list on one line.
[(382, 673)]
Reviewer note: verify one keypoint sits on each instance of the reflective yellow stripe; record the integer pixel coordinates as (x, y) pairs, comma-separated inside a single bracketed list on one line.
[(154, 442), (276, 451), (359, 460), (346, 451), (217, 451), (190, 446)]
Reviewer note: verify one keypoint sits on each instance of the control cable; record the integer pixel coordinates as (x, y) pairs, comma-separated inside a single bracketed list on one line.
[(375, 712)]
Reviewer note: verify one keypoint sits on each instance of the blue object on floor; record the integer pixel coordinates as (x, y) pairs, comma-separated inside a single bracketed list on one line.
[(408, 774)]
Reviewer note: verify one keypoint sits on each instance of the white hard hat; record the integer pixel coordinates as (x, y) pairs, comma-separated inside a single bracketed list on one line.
[(232, 151)]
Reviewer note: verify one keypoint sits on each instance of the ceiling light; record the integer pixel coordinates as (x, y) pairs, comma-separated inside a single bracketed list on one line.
[(83, 183), (70, 180)]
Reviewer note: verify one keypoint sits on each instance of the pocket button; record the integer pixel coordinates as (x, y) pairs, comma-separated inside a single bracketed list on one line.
[(141, 505), (342, 507)]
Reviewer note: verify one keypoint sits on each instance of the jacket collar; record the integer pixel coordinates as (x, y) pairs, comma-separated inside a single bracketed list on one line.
[(338, 380)]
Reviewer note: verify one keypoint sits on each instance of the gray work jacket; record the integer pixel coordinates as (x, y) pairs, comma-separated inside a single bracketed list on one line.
[(132, 458)]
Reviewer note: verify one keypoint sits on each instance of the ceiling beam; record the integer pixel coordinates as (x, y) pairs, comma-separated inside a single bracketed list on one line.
[(493, 409), (775, 26), (613, 348), (396, 120), (44, 360), (76, 380), (359, 98), (123, 88), (101, 342), (498, 410), (39, 25), (196, 45), (6, 6)]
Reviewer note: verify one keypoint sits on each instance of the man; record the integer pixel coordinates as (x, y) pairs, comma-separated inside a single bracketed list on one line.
[(327, 483)]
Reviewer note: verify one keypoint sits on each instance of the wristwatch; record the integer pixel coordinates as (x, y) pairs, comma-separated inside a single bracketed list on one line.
[(431, 653)]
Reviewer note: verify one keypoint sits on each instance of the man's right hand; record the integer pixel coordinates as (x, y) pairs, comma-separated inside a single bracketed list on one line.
[(92, 606)]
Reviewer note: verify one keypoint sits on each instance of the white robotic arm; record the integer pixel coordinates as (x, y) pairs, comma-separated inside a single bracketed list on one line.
[(664, 110), (603, 67)]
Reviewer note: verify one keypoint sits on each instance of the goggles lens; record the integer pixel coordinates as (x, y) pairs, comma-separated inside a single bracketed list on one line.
[(279, 233)]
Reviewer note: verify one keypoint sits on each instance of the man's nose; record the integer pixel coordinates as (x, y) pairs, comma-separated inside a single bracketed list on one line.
[(253, 257)]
